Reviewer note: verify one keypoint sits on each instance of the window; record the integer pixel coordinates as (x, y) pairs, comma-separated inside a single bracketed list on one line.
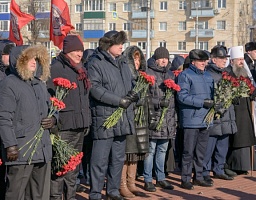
[(163, 5), (112, 7), (79, 27), (182, 46), (182, 5), (4, 8), (4, 26), (162, 26), (96, 24), (94, 5), (112, 26), (162, 44), (142, 45), (93, 45), (127, 27), (182, 26), (79, 8), (127, 7), (203, 45), (221, 43), (125, 45), (221, 3), (203, 25), (221, 25), (39, 7)]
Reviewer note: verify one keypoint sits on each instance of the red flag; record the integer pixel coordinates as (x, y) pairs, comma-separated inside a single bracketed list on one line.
[(60, 24), (17, 21)]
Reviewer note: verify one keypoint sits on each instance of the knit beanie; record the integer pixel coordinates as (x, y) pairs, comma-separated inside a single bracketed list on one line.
[(72, 43), (161, 52), (7, 49)]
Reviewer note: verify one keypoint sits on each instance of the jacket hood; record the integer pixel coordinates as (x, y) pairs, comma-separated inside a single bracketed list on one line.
[(20, 57), (128, 54)]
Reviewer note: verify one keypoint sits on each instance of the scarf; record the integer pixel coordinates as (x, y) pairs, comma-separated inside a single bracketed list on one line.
[(82, 75)]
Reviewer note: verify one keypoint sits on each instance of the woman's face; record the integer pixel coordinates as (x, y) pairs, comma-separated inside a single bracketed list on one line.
[(137, 62)]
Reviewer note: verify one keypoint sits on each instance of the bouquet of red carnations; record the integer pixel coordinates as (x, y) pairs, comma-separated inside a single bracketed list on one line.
[(143, 82), (171, 86), (63, 87)]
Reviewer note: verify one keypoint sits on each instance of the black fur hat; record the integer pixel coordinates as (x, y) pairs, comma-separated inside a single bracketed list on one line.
[(250, 46), (197, 54), (111, 38), (219, 51)]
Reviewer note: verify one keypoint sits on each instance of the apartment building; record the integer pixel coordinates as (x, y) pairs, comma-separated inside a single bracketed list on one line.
[(179, 25)]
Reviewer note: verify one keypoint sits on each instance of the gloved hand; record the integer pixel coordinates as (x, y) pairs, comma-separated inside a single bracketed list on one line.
[(236, 101), (141, 102), (126, 101), (208, 103), (152, 124), (164, 103), (12, 153), (134, 97), (221, 111), (48, 122), (253, 95)]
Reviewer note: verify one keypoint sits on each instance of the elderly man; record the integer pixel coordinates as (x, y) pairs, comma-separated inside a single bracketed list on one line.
[(194, 101), (217, 147), (238, 158)]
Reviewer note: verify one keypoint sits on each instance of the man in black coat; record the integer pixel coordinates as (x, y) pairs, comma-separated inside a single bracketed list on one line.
[(111, 81), (250, 57), (75, 119)]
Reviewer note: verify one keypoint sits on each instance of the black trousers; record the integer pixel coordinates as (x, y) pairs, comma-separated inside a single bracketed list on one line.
[(107, 160), (195, 144), (64, 187), (27, 182)]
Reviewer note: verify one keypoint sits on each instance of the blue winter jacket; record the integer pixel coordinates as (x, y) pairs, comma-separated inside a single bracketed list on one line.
[(196, 86)]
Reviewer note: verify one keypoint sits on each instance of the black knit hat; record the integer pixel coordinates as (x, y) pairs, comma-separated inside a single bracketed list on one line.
[(197, 54), (161, 52), (72, 43), (112, 38), (7, 49), (250, 46)]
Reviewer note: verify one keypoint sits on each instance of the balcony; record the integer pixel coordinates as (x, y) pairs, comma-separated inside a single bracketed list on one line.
[(204, 13), (142, 15), (94, 15), (202, 33), (96, 34), (142, 34)]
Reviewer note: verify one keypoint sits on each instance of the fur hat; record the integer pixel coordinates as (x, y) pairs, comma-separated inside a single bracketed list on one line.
[(7, 49), (112, 38), (197, 54), (219, 51), (72, 43), (250, 46), (161, 52)]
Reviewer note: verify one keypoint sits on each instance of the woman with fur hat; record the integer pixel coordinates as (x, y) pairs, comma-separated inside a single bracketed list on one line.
[(24, 104), (111, 81), (136, 145)]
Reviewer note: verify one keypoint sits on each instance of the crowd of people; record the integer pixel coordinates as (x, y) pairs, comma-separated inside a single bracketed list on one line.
[(115, 156)]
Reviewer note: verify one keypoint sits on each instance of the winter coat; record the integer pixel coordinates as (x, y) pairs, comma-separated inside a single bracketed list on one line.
[(227, 123), (157, 91), (111, 80), (251, 64), (77, 114), (245, 136), (24, 102), (196, 86)]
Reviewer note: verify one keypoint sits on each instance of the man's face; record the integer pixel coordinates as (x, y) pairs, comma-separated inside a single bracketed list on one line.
[(116, 50), (238, 62), (31, 65), (75, 57), (252, 54), (5, 60), (162, 62), (220, 62), (199, 64)]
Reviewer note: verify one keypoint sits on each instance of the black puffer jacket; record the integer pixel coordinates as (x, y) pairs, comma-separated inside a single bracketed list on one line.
[(77, 114), (24, 102), (227, 123), (157, 91), (111, 80)]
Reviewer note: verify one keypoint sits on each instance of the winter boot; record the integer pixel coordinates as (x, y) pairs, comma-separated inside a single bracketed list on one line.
[(124, 191)]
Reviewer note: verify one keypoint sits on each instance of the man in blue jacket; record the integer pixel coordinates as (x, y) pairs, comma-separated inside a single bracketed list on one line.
[(194, 99)]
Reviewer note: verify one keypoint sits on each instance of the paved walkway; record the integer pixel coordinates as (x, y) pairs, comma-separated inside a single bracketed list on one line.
[(243, 187)]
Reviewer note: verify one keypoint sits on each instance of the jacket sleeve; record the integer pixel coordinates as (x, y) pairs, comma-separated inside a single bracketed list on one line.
[(97, 90), (7, 110), (184, 96)]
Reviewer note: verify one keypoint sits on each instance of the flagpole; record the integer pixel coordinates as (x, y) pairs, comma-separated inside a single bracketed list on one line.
[(50, 46)]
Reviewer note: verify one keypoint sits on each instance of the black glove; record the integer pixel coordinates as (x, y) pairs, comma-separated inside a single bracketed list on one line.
[(221, 111), (48, 122), (164, 103), (236, 101), (12, 153), (152, 125), (134, 97), (126, 101), (208, 103), (141, 102), (253, 95)]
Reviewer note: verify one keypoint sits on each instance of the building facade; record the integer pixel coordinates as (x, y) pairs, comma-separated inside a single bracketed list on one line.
[(178, 25)]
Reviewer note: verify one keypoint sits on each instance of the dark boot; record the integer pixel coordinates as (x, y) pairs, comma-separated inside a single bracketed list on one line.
[(124, 191)]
